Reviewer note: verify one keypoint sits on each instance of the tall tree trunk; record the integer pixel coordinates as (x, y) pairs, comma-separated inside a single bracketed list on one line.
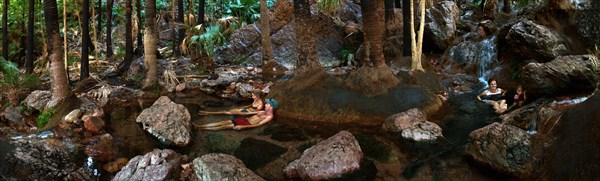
[(417, 47), (150, 41), (174, 37), (128, 39), (200, 11), (85, 33), (389, 11), (406, 20), (109, 7), (65, 42), (5, 30), (373, 25), (507, 6), (29, 60), (138, 9), (180, 24), (265, 29), (60, 86), (305, 45), (398, 3), (99, 19)]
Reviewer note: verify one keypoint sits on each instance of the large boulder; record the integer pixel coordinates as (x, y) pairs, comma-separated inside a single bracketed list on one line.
[(38, 99), (218, 166), (332, 158), (441, 23), (525, 117), (155, 165), (43, 159), (473, 57), (533, 41), (412, 125), (167, 121), (504, 148), (587, 24), (13, 115), (564, 75)]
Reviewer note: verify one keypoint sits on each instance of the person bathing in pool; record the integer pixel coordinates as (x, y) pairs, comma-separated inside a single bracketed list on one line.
[(494, 96), (251, 109), (238, 123)]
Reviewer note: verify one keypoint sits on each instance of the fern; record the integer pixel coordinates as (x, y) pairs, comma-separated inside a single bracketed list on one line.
[(43, 118), (330, 6)]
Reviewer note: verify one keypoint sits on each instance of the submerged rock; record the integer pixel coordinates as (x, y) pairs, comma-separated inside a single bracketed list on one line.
[(156, 165), (332, 158), (563, 75), (412, 125), (218, 166), (258, 153), (504, 148), (38, 99), (168, 121)]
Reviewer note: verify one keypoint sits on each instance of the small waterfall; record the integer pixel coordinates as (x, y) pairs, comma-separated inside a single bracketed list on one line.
[(481, 52), (487, 59)]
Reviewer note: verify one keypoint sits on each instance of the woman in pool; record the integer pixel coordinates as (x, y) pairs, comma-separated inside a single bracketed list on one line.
[(494, 96), (237, 123)]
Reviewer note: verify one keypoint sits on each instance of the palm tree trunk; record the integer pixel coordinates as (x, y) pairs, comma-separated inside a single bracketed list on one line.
[(109, 50), (373, 25), (5, 30), (173, 30), (60, 87), (128, 40), (265, 29), (99, 19), (180, 23), (65, 42), (507, 7), (305, 43), (29, 60), (406, 31), (85, 33), (150, 41), (389, 11), (138, 7), (200, 11)]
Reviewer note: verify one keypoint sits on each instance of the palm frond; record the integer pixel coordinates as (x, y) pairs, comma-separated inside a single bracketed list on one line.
[(330, 7)]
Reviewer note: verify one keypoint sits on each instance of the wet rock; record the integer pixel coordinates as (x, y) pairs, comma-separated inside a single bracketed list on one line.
[(38, 99), (45, 159), (563, 75), (100, 152), (533, 41), (336, 156), (13, 115), (217, 166), (181, 66), (412, 125), (588, 22), (155, 165), (460, 84), (472, 57), (441, 23), (92, 107), (73, 115), (115, 165), (258, 153), (524, 117), (93, 124), (504, 148), (168, 121)]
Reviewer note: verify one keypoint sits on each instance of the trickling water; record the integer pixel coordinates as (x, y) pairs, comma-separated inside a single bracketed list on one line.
[(481, 52), (487, 59)]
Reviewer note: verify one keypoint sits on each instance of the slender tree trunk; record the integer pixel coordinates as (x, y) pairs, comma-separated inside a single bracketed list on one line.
[(265, 29), (5, 30), (109, 50), (85, 33), (398, 3), (417, 46), (29, 60), (99, 19), (23, 40), (305, 45), (179, 24), (128, 39), (60, 86), (406, 16), (374, 27), (174, 37), (138, 9), (65, 42), (150, 42), (389, 11), (507, 6), (95, 34), (200, 11)]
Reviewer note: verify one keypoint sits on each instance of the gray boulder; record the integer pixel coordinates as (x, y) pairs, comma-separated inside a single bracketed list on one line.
[(167, 121), (533, 41), (412, 125), (155, 165), (218, 166), (332, 158), (441, 23), (13, 115), (563, 75), (38, 99), (504, 148)]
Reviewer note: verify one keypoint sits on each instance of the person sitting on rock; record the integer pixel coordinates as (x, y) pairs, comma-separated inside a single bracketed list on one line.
[(238, 123), (494, 96), (519, 98), (251, 109)]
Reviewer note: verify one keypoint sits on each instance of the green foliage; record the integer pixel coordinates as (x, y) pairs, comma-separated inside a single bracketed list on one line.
[(330, 6), (346, 52), (12, 79), (515, 70), (44, 117), (210, 40)]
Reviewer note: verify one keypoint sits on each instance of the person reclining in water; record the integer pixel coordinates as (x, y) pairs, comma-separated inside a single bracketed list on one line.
[(494, 96), (253, 108), (238, 123)]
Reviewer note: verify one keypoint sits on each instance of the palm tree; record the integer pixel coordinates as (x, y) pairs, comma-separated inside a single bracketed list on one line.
[(85, 33), (60, 86), (389, 10), (99, 19), (265, 29), (374, 27), (138, 9), (29, 61), (180, 23), (507, 7), (305, 43), (5, 30), (200, 12), (417, 47), (406, 4), (109, 7), (150, 43), (128, 40)]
